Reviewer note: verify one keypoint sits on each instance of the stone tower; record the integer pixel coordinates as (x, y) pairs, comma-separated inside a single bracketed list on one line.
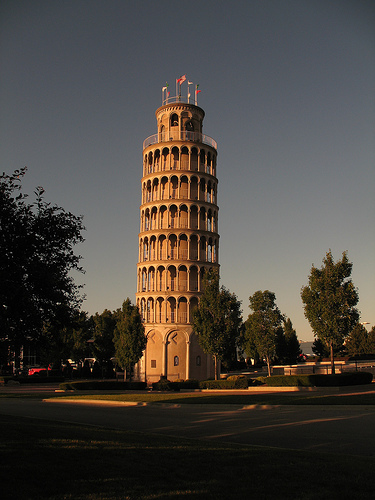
[(178, 240)]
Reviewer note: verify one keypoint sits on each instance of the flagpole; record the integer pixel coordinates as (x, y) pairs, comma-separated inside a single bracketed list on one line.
[(189, 83)]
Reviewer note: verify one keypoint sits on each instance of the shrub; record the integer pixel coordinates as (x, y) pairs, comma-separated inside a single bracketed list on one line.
[(187, 384), (256, 381), (232, 382), (240, 381), (103, 385), (288, 381), (341, 379), (165, 385), (318, 380)]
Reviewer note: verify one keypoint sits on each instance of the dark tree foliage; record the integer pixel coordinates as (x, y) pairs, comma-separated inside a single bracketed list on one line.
[(37, 258), (103, 335), (371, 341), (60, 342), (217, 320), (129, 336), (263, 327), (288, 349), (330, 300), (320, 349), (360, 341)]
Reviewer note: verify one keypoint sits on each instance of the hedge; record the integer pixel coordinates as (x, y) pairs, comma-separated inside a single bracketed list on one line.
[(317, 380), (102, 385), (32, 379), (189, 384), (232, 382)]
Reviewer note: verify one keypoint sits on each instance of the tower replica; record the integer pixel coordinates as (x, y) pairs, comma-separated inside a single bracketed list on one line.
[(178, 239)]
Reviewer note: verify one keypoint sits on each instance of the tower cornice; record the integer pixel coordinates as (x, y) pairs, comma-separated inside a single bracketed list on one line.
[(178, 106)]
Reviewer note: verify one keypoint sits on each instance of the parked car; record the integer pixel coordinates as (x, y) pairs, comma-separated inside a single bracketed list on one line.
[(37, 370)]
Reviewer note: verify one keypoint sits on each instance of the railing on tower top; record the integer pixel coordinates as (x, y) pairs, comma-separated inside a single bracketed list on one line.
[(180, 99), (179, 135)]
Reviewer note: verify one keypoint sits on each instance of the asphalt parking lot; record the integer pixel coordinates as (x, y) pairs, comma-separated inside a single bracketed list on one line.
[(332, 429)]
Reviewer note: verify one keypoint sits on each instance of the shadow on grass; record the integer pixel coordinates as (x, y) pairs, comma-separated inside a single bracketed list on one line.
[(48, 460)]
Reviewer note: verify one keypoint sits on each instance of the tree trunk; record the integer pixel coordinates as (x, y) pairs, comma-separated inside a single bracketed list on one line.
[(216, 374), (268, 365), (332, 359)]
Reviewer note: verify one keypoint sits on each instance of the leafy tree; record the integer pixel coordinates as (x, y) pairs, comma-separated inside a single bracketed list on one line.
[(129, 336), (329, 302), (80, 331), (360, 341), (63, 341), (288, 348), (36, 248), (320, 349), (263, 326), (371, 341), (217, 320), (103, 335), (248, 343)]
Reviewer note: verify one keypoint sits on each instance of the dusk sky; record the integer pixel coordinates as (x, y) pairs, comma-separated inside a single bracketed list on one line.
[(288, 92)]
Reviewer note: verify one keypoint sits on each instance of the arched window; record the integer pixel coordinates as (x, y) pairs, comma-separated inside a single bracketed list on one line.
[(144, 279), (176, 361), (165, 156), (189, 127), (174, 120), (184, 159), (157, 160), (194, 159), (175, 158), (150, 162), (199, 361)]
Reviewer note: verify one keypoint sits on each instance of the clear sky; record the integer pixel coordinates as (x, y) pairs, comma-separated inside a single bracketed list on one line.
[(288, 92)]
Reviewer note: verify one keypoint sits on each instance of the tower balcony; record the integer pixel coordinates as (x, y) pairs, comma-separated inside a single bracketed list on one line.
[(179, 135)]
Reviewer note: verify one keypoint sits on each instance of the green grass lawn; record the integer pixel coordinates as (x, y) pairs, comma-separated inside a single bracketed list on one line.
[(308, 398), (51, 460)]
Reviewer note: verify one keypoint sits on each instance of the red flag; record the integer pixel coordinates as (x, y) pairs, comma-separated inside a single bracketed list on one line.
[(181, 79)]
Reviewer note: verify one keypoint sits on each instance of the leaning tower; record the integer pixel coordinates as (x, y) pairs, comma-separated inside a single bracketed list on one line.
[(178, 240)]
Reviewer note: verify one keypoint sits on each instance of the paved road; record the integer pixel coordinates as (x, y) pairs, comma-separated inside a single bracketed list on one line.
[(336, 429)]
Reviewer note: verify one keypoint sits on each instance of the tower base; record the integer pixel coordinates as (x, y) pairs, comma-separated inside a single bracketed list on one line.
[(173, 352)]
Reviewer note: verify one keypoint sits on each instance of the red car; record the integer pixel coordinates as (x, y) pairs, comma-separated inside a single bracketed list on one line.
[(37, 370)]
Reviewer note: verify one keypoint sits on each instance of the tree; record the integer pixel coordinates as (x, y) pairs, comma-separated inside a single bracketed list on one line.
[(103, 335), (129, 336), (360, 341), (36, 248), (371, 341), (63, 341), (217, 319), (329, 302), (263, 326), (320, 349), (288, 348)]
